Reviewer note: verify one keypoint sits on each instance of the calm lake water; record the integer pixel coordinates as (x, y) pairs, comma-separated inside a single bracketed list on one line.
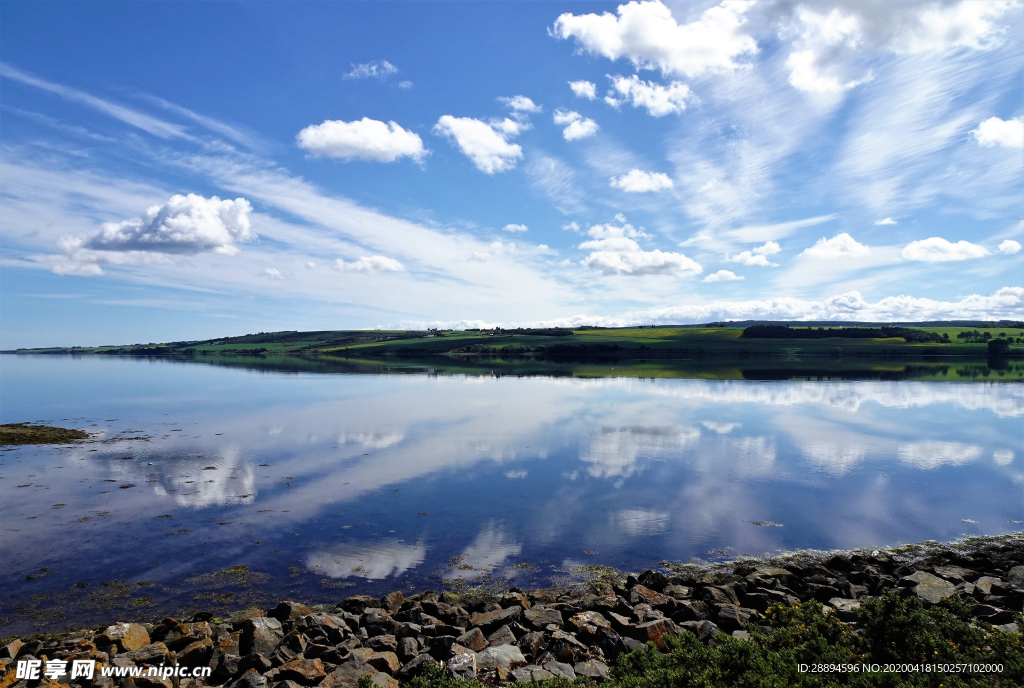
[(330, 485)]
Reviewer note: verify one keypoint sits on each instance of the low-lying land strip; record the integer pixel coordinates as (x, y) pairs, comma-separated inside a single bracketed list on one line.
[(593, 344), (30, 433), (925, 615)]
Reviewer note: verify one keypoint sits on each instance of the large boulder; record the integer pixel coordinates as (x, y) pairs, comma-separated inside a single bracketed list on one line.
[(126, 636), (260, 635), (928, 587)]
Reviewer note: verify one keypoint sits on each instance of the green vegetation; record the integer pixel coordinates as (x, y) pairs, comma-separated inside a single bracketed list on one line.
[(893, 631), (25, 433)]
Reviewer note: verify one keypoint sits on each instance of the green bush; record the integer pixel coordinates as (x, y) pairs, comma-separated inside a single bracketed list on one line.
[(890, 630)]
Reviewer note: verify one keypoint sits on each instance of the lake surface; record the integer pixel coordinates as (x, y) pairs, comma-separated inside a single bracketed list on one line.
[(216, 488)]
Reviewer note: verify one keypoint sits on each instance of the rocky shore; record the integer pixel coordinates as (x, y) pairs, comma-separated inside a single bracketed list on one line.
[(523, 635)]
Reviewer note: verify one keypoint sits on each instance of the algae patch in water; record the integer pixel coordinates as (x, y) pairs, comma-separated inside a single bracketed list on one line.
[(24, 433)]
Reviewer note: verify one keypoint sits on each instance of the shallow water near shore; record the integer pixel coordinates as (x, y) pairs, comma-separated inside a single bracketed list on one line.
[(214, 487)]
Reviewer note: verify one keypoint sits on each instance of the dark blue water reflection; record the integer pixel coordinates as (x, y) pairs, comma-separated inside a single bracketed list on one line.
[(328, 485)]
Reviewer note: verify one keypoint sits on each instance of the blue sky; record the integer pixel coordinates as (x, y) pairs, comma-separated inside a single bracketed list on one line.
[(180, 170)]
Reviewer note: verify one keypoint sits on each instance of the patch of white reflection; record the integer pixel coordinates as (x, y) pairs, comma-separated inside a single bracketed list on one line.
[(617, 452), (637, 522), (836, 458), (1004, 400), (489, 551), (199, 484), (932, 454), (1003, 457), (371, 561), (720, 428), (516, 475), (372, 439), (753, 455)]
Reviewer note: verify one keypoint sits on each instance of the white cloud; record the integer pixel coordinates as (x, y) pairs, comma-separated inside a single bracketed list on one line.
[(485, 144), (757, 255), (659, 100), (556, 180), (885, 221), (491, 547), (364, 139), (579, 127), (516, 475), (638, 181), (648, 35), (520, 104), (273, 273), (515, 228), (614, 251), (932, 454), (373, 561), (938, 250), (572, 227), (998, 132), (1009, 247), (369, 264), (404, 85), (379, 69), (185, 225), (584, 89), (722, 276), (152, 125), (840, 246), (620, 452), (1003, 457), (831, 50), (494, 249)]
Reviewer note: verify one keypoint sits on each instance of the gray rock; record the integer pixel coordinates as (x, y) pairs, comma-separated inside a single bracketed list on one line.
[(531, 673), (1016, 576), (955, 574), (539, 617), (560, 669), (985, 583), (592, 668), (502, 636), (489, 621), (502, 656), (260, 635), (413, 666), (463, 666), (250, 679), (741, 635), (383, 643), (928, 587), (846, 609), (408, 648)]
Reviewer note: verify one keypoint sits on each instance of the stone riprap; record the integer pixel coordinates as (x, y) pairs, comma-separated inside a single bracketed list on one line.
[(524, 635)]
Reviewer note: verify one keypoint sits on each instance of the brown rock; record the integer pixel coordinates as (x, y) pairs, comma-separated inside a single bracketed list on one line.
[(126, 636), (502, 636), (384, 661), (288, 610), (488, 621), (11, 649), (642, 595), (473, 639), (392, 601), (589, 623), (348, 674), (307, 672), (196, 654), (656, 632)]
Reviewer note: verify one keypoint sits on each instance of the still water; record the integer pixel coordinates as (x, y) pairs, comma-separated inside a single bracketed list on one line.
[(217, 488)]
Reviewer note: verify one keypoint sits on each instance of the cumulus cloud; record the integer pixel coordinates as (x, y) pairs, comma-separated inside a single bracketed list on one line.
[(614, 251), (999, 132), (756, 256), (638, 181), (578, 126), (932, 454), (584, 89), (486, 144), (840, 246), (1006, 304), (659, 100), (364, 139), (273, 273), (369, 264), (520, 104), (722, 276), (378, 69), (885, 221), (648, 35), (494, 249), (1009, 247), (515, 228), (185, 225), (938, 250)]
